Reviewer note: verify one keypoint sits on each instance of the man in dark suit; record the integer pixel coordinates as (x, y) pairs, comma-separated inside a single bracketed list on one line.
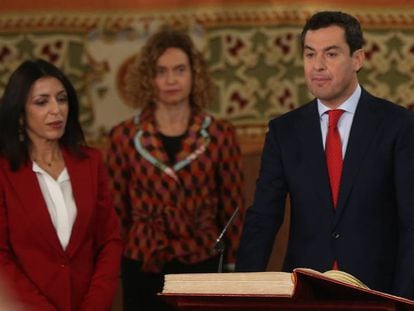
[(355, 213)]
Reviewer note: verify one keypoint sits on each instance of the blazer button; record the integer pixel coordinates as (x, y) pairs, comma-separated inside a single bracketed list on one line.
[(336, 235)]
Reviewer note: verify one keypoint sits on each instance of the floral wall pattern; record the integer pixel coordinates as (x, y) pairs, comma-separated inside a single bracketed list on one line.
[(253, 54)]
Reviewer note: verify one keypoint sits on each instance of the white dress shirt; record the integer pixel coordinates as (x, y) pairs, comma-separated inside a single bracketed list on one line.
[(345, 121), (60, 203)]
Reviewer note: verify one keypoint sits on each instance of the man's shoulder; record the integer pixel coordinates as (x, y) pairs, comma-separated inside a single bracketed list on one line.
[(383, 105), (306, 110)]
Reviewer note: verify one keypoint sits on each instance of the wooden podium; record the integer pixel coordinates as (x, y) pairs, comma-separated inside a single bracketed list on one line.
[(312, 292), (254, 303)]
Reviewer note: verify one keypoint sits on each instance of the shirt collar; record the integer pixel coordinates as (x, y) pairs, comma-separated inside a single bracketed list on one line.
[(348, 105)]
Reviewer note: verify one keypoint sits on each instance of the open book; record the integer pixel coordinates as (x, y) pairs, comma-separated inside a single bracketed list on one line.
[(301, 285), (265, 283)]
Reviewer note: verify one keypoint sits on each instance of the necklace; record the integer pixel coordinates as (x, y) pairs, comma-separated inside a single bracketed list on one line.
[(48, 163), (55, 158)]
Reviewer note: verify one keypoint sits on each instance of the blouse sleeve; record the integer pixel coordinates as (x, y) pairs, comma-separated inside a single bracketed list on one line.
[(119, 177), (230, 180)]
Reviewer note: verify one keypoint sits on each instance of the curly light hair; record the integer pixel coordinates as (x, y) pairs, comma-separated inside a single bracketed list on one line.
[(140, 87)]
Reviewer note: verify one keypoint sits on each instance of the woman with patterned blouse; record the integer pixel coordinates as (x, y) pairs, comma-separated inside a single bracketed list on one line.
[(175, 171)]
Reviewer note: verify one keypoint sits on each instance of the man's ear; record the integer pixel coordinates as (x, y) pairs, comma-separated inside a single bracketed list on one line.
[(358, 58)]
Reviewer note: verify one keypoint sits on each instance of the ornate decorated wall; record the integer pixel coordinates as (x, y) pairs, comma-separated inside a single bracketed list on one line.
[(252, 49)]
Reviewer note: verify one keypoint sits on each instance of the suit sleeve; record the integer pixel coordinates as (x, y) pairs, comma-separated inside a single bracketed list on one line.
[(22, 289), (404, 187), (230, 179), (265, 216), (108, 243)]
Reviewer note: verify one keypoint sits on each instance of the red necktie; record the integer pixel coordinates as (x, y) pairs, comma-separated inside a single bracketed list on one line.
[(333, 153)]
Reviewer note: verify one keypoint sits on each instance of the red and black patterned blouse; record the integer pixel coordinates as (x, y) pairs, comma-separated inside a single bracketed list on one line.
[(176, 212)]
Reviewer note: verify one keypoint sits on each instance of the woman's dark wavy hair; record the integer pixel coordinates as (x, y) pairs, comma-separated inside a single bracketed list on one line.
[(351, 26), (12, 110)]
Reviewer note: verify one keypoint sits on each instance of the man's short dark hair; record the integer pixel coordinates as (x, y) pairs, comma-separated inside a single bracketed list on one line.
[(351, 26)]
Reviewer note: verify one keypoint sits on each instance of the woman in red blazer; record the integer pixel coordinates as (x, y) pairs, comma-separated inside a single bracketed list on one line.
[(60, 243)]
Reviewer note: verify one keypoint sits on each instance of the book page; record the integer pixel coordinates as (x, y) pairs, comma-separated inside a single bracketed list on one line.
[(263, 283), (337, 275), (344, 277)]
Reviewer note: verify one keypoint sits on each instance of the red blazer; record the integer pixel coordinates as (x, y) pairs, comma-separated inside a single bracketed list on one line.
[(46, 277)]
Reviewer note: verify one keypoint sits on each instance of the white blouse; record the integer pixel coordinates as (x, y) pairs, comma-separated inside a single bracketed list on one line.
[(60, 203)]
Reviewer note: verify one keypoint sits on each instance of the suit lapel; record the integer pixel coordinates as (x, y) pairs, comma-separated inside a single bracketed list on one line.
[(191, 141), (363, 129), (309, 131), (150, 141), (82, 181), (27, 189), (149, 145), (196, 142)]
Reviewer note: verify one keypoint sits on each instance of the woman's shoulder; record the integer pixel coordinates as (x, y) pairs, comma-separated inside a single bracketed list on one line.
[(84, 152), (123, 125), (219, 124), (91, 151), (4, 163)]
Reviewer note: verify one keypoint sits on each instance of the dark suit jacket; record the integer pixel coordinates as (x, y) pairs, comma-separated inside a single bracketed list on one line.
[(46, 277), (371, 232)]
